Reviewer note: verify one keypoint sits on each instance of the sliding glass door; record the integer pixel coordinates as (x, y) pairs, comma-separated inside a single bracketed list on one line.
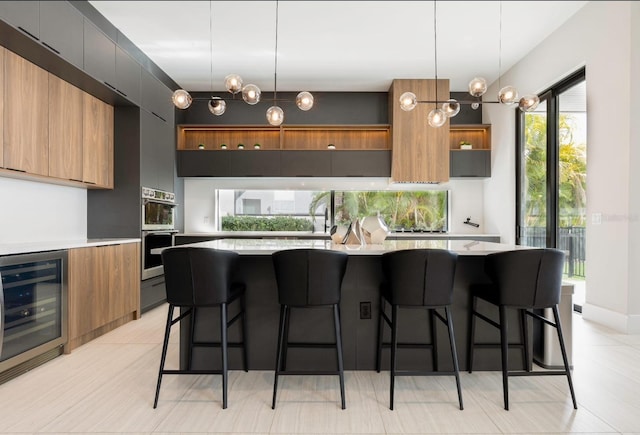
[(551, 175)]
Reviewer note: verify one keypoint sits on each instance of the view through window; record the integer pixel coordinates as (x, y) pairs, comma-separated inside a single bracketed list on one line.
[(299, 210)]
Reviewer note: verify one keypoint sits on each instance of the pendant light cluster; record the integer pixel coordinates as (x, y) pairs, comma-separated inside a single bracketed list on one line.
[(251, 94), (507, 95)]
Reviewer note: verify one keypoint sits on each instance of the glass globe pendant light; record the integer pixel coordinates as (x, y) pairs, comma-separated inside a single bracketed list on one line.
[(508, 95), (233, 83), (217, 106), (451, 108), (251, 94), (304, 101), (437, 118), (408, 101), (477, 86), (181, 99), (275, 115), (529, 103)]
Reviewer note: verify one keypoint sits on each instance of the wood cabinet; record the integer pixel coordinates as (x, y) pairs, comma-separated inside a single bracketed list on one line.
[(2, 56), (103, 289), (26, 143), (97, 137), (65, 130), (474, 162), (420, 153)]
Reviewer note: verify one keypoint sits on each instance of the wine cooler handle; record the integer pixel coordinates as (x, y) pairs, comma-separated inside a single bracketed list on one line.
[(1, 314)]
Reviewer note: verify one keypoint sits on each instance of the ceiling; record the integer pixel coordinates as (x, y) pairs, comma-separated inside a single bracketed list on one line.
[(334, 45)]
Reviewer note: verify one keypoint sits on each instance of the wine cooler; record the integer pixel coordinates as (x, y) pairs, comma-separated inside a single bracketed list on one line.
[(33, 291)]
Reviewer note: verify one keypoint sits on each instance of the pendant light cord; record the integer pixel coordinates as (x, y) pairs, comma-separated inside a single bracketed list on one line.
[(500, 49), (275, 73), (211, 42), (435, 47)]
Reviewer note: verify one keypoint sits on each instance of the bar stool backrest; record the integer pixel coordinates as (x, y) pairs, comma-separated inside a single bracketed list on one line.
[(198, 276), (307, 277), (420, 277), (527, 278)]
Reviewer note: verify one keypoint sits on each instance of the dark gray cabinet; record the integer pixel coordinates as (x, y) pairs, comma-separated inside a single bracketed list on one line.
[(470, 163), (127, 76), (155, 97), (60, 25), (305, 163), (99, 55), (157, 149), (23, 15), (247, 163), (203, 163), (374, 163)]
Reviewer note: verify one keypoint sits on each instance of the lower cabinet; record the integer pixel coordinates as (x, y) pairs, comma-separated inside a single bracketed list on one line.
[(104, 290), (152, 293), (472, 163)]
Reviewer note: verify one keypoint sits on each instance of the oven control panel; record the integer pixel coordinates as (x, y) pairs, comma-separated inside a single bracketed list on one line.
[(158, 195)]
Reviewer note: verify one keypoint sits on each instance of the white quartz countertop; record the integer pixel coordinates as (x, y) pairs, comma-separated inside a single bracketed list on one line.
[(23, 248), (319, 235), (268, 246)]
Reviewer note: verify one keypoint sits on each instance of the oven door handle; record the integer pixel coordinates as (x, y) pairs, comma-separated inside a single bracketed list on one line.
[(160, 233)]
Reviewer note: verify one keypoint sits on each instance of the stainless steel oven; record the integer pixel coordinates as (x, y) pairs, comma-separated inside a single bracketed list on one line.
[(152, 263), (157, 228)]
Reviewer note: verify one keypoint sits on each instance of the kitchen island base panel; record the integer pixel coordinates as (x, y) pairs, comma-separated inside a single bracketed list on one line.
[(361, 284)]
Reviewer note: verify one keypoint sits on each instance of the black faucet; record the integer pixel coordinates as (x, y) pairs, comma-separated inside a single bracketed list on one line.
[(473, 224)]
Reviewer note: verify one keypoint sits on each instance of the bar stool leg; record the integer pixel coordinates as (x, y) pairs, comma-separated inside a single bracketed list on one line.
[(285, 342), (434, 342), (243, 307), (165, 344), (338, 329), (192, 335), (472, 331), (504, 344), (223, 345), (380, 335), (454, 354), (278, 354), (394, 347), (556, 317), (525, 339)]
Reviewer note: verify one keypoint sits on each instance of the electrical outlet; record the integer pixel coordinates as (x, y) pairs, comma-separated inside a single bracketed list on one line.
[(365, 310)]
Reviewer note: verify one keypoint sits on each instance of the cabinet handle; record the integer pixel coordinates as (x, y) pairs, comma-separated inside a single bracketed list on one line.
[(17, 170), (157, 284), (111, 86), (75, 179), (120, 92), (90, 182), (29, 33), (154, 113), (50, 47)]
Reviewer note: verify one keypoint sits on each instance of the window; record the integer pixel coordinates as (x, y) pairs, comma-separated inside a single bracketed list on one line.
[(298, 210)]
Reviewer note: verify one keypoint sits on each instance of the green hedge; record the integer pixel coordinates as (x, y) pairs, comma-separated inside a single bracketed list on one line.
[(252, 223)]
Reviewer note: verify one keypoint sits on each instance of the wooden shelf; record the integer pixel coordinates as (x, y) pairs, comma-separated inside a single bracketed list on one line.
[(304, 137), (478, 135)]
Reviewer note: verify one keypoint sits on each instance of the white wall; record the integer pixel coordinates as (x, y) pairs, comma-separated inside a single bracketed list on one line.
[(35, 212), (599, 37)]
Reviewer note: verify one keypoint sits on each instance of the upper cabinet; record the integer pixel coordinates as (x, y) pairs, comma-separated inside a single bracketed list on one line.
[(65, 130), (127, 76), (54, 24), (60, 27), (156, 97), (26, 142), (420, 153), (97, 138), (99, 55), (2, 56), (470, 146)]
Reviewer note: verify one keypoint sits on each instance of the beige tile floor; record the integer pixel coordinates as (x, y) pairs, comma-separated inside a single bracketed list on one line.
[(107, 386)]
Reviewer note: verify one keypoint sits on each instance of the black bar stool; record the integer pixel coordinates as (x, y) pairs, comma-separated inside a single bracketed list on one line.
[(418, 278), (196, 278), (308, 278), (525, 280)]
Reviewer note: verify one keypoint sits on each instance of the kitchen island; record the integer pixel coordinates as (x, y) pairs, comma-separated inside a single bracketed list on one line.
[(359, 310)]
